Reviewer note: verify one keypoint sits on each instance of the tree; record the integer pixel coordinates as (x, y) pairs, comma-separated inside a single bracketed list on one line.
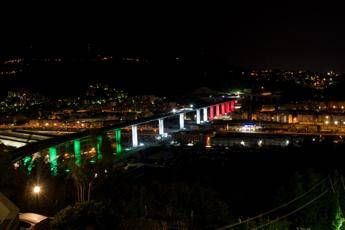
[(85, 173), (86, 215), (7, 171)]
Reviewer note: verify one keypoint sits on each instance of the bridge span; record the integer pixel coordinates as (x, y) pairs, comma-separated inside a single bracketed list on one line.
[(202, 115)]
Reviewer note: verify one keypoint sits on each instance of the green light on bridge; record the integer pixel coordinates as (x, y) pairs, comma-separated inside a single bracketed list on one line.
[(118, 140), (77, 154), (99, 147), (28, 163), (53, 161)]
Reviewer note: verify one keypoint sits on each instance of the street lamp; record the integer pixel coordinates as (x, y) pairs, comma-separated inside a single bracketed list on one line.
[(37, 189)]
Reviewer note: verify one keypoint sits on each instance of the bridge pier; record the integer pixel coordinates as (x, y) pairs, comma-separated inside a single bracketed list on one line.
[(53, 161), (204, 114), (198, 120), (181, 120), (161, 126), (232, 106), (77, 153), (118, 140), (211, 112), (99, 147), (134, 136), (227, 107), (217, 110)]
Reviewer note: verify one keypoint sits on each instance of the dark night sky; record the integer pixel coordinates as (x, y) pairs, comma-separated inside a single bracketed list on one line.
[(290, 36)]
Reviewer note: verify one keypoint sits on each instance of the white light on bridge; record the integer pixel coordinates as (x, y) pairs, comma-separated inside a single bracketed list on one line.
[(260, 143)]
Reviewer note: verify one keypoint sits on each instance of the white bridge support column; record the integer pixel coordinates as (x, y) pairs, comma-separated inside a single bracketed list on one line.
[(181, 120), (161, 126), (198, 120), (205, 114), (134, 135)]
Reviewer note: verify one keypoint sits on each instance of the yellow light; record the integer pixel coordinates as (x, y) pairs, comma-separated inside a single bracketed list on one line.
[(36, 189), (326, 122), (336, 122)]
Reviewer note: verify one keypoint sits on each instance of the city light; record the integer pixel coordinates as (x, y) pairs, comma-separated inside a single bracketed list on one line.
[(208, 142), (260, 143), (36, 189)]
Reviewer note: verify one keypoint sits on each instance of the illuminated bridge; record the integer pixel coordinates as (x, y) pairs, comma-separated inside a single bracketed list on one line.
[(90, 141)]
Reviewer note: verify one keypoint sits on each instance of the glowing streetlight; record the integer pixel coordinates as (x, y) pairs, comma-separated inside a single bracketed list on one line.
[(37, 189)]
